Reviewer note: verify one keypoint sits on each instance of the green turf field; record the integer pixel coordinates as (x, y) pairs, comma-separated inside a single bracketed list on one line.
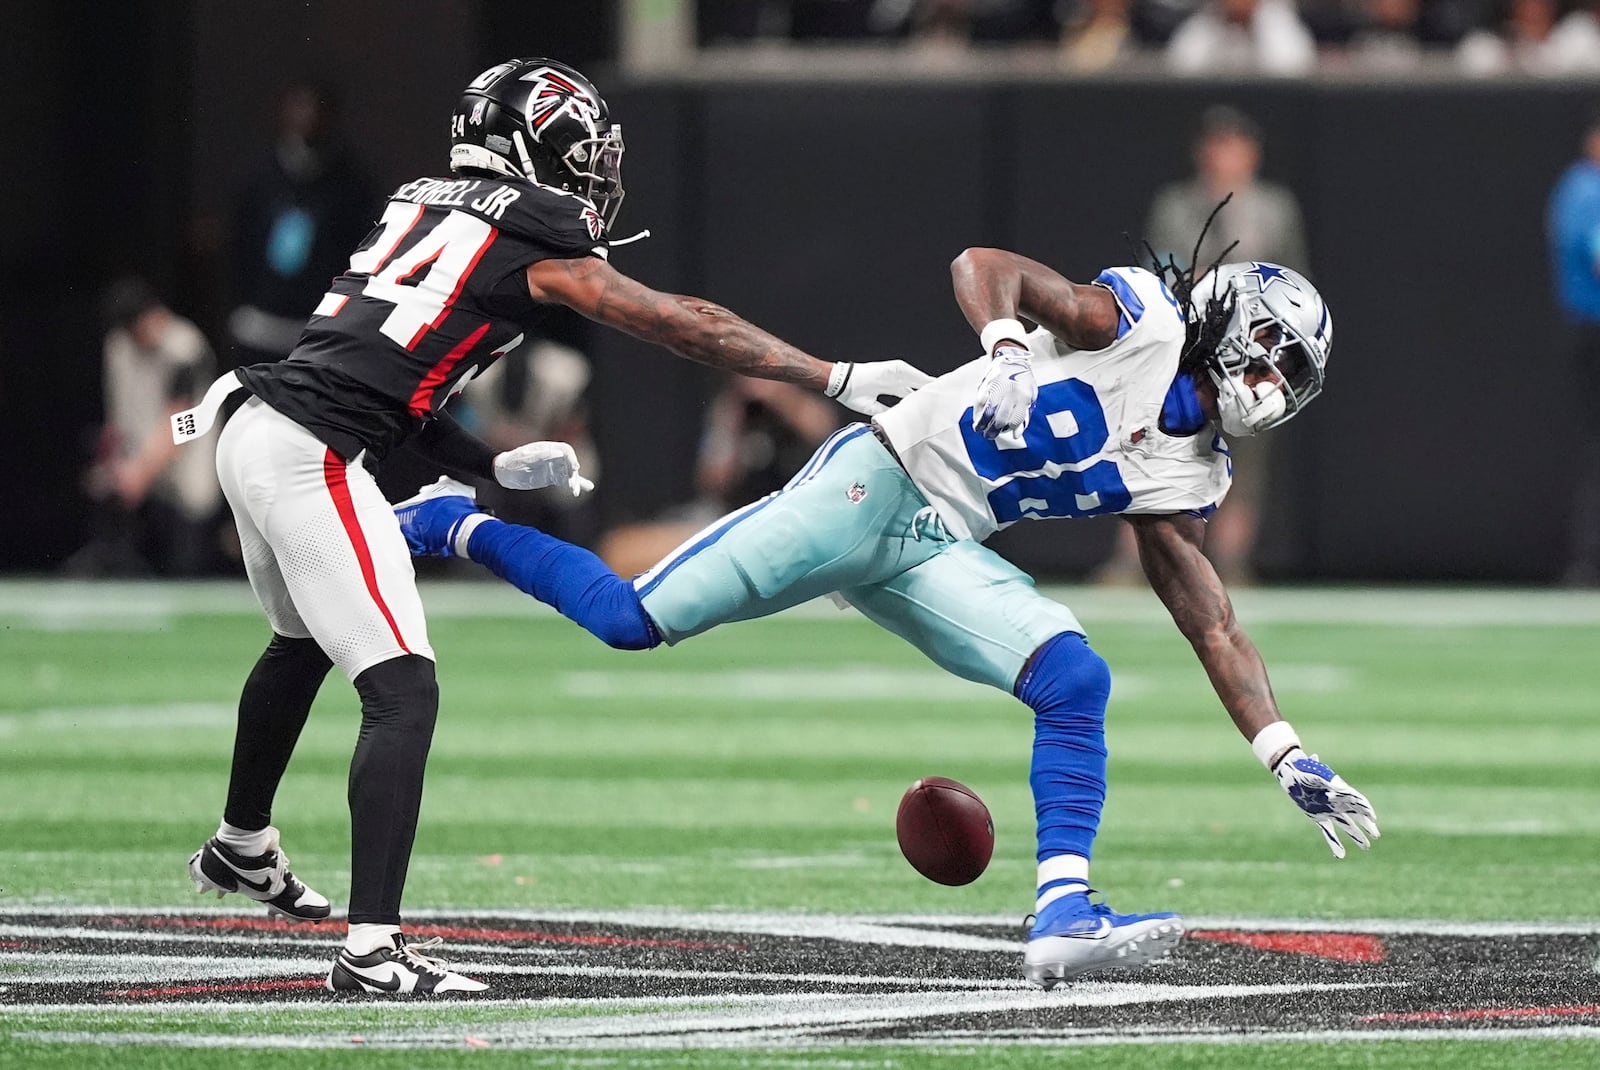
[(757, 769)]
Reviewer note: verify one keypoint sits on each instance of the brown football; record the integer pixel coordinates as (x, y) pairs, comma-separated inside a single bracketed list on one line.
[(945, 831)]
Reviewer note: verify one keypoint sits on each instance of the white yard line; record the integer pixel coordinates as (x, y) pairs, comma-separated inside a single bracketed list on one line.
[(908, 930), (69, 604), (757, 1021)]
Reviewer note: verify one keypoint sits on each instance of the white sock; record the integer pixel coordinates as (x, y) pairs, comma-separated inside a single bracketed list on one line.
[(1061, 875), (248, 842), (469, 524), (365, 939)]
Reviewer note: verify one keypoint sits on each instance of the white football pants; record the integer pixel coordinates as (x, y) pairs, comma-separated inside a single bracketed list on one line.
[(321, 546)]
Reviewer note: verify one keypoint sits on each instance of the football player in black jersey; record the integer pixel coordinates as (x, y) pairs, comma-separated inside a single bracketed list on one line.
[(438, 290)]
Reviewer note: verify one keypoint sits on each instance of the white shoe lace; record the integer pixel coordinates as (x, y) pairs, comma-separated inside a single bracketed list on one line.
[(427, 963)]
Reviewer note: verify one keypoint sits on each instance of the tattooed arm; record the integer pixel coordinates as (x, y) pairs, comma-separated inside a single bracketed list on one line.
[(699, 330), (993, 284), (1169, 550)]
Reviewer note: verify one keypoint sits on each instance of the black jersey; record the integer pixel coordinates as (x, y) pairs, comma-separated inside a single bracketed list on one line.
[(434, 294)]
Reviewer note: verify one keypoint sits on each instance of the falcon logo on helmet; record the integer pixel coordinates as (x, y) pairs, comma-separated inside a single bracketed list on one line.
[(543, 121), (551, 95)]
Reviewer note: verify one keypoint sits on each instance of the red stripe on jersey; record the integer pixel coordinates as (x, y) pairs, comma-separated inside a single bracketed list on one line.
[(383, 260), (422, 400), (461, 282), (401, 281), (333, 473)]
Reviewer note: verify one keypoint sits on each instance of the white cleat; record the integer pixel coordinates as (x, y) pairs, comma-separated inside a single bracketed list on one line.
[(398, 969), (216, 867)]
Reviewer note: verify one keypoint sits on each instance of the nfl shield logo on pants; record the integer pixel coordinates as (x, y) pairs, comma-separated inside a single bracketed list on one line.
[(856, 492)]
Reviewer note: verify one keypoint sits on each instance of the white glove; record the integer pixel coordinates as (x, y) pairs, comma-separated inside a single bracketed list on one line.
[(857, 386), (540, 464), (1006, 393), (1327, 800)]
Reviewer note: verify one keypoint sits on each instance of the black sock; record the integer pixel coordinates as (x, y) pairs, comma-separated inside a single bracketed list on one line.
[(399, 703), (277, 697)]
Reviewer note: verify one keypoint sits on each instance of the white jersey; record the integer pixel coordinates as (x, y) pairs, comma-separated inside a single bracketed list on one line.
[(1094, 442)]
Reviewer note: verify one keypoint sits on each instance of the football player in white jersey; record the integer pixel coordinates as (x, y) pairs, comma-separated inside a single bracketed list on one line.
[(1119, 401)]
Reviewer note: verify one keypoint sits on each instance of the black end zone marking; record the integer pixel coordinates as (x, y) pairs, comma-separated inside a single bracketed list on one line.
[(1362, 982)]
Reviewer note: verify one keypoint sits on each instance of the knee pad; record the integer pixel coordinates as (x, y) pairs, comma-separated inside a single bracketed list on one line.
[(1066, 676), (402, 691)]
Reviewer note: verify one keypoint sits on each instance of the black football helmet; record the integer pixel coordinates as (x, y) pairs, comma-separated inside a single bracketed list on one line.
[(544, 121)]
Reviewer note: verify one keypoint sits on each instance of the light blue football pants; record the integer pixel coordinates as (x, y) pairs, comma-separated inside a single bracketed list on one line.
[(852, 521)]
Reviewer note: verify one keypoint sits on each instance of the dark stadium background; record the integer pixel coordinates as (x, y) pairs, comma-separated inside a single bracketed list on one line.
[(829, 212)]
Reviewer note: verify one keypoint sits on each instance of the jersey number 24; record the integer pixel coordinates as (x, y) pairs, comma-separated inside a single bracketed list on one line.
[(425, 280)]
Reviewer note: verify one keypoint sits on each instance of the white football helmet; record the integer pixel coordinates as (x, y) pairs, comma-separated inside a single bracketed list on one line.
[(1278, 326)]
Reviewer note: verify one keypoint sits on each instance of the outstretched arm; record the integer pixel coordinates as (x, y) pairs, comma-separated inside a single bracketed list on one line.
[(707, 333), (702, 331), (1169, 550)]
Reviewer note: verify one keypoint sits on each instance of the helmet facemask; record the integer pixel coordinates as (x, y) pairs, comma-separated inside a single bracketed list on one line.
[(1260, 343), (591, 168)]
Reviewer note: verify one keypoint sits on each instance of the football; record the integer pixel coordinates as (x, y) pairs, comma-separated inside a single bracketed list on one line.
[(945, 831)]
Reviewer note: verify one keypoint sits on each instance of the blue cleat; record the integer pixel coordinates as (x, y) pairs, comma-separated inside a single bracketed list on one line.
[(1073, 936), (432, 518)]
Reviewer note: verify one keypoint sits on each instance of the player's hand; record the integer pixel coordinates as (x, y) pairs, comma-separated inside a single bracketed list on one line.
[(540, 464), (858, 385), (1326, 799), (1005, 393)]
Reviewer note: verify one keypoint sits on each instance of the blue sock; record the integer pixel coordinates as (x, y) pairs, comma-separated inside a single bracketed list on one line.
[(1067, 685), (569, 578)]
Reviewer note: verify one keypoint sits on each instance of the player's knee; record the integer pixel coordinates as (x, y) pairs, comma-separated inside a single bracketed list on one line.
[(402, 692), (302, 655), (1066, 677), (616, 617)]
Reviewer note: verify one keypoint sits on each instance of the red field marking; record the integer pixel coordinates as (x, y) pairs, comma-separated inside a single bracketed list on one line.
[(1482, 1012), (1340, 947), (449, 932), (239, 986)]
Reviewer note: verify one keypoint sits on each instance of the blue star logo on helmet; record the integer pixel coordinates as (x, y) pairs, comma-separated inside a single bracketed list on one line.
[(1267, 274)]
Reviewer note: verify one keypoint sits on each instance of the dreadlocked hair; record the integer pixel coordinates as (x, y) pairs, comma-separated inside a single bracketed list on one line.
[(1205, 330)]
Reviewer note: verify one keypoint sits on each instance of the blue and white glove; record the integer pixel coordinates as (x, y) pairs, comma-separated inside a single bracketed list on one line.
[(540, 464), (858, 386), (1327, 799), (1006, 393)]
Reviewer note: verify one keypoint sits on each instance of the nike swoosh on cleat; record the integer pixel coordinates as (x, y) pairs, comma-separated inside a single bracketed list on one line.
[(259, 886), (390, 985)]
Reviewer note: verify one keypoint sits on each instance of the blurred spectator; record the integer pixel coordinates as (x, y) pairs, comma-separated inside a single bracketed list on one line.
[(1528, 41), (1234, 37), (1097, 34), (1266, 221), (1385, 40), (157, 506), (1573, 228), (757, 435), (301, 211), (960, 21)]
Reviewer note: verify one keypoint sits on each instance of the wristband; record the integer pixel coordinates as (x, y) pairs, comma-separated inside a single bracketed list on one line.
[(996, 331), (1273, 741), (838, 378)]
